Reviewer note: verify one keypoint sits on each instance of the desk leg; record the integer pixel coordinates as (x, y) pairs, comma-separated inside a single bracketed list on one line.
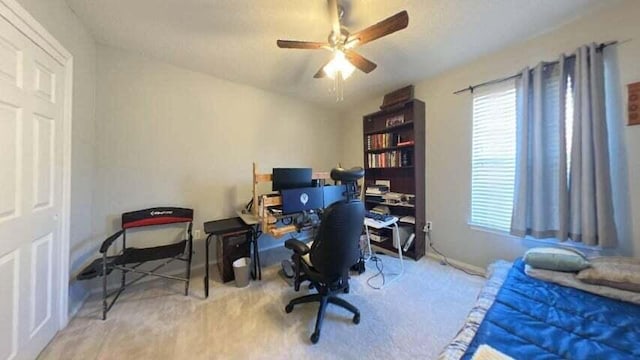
[(370, 255), (256, 268), (206, 266), (399, 248)]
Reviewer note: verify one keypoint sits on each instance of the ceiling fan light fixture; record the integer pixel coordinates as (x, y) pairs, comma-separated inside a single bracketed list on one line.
[(339, 64)]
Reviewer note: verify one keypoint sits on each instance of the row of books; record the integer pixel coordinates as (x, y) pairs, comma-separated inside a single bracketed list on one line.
[(392, 198), (381, 141), (390, 159)]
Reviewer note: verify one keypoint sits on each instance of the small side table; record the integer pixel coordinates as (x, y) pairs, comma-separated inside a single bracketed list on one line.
[(254, 223), (231, 226), (389, 224)]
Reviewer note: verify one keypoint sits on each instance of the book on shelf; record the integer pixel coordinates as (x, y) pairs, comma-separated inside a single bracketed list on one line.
[(390, 159), (392, 197), (381, 209), (376, 189), (376, 235), (405, 143), (408, 220), (373, 198), (382, 141), (378, 238)]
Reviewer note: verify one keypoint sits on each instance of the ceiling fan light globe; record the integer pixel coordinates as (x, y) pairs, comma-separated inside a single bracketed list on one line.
[(339, 63)]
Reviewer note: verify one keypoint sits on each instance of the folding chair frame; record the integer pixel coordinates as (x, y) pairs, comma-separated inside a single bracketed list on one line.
[(109, 262)]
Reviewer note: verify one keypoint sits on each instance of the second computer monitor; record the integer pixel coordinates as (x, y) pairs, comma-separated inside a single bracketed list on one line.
[(333, 194), (291, 178)]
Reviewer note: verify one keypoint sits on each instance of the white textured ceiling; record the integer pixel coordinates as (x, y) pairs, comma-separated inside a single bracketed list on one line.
[(236, 39)]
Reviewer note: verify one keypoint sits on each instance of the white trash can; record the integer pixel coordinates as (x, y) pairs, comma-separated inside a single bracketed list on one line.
[(241, 271)]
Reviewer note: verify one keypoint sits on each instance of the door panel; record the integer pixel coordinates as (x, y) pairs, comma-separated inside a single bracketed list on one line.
[(10, 62), (41, 269), (9, 275), (43, 150), (45, 82), (11, 160), (30, 194)]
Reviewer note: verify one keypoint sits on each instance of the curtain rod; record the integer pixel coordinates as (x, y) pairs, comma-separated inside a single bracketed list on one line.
[(496, 81)]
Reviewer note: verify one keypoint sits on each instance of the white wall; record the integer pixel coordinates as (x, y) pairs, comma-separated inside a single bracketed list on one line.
[(63, 24), (172, 136), (449, 124)]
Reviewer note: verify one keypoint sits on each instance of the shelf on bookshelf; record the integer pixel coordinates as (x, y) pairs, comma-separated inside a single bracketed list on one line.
[(390, 128), (391, 148), (388, 246), (389, 204), (397, 167)]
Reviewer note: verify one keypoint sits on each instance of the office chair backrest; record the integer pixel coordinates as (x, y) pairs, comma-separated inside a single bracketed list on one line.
[(335, 248)]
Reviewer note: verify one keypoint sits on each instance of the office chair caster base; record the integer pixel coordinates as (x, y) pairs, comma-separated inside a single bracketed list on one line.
[(288, 308), (315, 337), (288, 269), (356, 319)]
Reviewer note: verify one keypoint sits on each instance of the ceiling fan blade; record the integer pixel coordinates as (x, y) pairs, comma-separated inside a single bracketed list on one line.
[(293, 44), (335, 17), (385, 27), (360, 62)]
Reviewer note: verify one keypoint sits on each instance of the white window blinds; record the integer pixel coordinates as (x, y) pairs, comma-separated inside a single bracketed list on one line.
[(493, 156)]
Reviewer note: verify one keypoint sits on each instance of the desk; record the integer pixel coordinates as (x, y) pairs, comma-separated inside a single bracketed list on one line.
[(248, 218), (232, 226), (389, 224), (261, 204), (254, 222)]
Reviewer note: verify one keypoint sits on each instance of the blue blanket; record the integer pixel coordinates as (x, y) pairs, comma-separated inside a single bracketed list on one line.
[(535, 319)]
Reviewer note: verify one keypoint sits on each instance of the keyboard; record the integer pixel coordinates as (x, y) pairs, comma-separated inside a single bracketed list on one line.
[(378, 217)]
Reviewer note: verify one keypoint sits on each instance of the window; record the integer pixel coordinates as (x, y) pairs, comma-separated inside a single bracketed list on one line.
[(494, 153), (493, 156)]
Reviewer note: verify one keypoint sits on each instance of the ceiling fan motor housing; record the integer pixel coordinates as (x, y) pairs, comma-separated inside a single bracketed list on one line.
[(341, 39)]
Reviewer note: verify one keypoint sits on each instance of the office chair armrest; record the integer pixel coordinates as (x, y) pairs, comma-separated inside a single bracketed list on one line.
[(107, 243), (297, 246)]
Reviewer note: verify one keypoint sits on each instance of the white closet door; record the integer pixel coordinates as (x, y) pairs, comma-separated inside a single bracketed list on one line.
[(31, 111)]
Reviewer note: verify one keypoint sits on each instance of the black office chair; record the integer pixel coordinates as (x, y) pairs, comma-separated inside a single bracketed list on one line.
[(334, 250)]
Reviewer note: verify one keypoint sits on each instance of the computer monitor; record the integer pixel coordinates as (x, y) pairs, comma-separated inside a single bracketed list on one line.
[(333, 194), (301, 199), (291, 178)]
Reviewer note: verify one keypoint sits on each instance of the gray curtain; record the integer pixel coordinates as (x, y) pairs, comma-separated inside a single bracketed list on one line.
[(551, 198)]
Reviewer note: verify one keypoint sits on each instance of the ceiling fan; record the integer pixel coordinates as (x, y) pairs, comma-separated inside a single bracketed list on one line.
[(341, 42)]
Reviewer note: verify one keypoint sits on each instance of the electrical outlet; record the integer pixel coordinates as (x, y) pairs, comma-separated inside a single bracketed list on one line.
[(196, 234), (429, 226)]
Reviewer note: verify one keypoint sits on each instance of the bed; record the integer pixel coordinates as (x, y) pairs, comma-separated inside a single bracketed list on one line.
[(527, 318)]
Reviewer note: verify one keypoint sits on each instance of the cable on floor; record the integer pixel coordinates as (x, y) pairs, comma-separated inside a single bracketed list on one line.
[(380, 267), (445, 260)]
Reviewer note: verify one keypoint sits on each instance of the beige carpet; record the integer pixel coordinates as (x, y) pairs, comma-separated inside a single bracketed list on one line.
[(414, 317)]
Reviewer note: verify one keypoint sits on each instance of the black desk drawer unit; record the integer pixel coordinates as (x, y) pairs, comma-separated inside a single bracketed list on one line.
[(229, 248)]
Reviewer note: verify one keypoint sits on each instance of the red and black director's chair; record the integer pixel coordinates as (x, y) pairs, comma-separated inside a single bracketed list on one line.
[(129, 259)]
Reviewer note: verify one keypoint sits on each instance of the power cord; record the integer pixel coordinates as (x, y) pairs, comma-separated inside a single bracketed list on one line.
[(380, 267), (445, 260)]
